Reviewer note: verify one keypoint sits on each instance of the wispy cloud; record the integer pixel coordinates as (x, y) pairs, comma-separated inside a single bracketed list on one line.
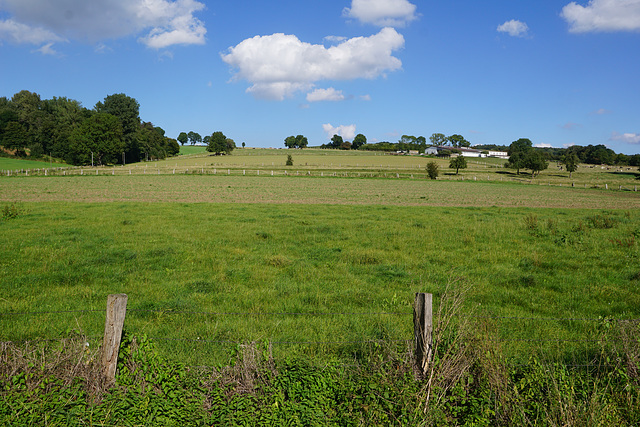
[(571, 126), (627, 138), (329, 94)]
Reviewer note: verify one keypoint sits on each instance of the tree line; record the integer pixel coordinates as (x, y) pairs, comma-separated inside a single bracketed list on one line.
[(591, 154), (110, 133)]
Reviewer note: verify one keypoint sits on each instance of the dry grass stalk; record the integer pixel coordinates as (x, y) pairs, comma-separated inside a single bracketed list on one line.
[(66, 360)]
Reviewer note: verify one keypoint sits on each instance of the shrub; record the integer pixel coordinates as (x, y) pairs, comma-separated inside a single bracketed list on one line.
[(12, 211), (432, 170), (289, 160)]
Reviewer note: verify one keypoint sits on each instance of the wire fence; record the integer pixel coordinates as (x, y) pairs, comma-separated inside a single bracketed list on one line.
[(573, 341), (377, 172)]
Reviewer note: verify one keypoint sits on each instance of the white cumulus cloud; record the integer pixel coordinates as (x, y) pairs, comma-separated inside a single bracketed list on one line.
[(329, 94), (347, 132), (383, 13), (629, 138), (543, 145), (159, 23), (514, 28), (603, 15), (279, 65)]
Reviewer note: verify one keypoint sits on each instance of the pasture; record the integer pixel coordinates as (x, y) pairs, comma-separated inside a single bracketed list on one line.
[(317, 265)]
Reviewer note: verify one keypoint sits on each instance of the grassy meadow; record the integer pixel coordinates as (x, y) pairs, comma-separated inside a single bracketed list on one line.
[(316, 263), (10, 163), (317, 279), (286, 299)]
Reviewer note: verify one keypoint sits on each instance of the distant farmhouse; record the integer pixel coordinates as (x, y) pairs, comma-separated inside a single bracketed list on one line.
[(465, 152)]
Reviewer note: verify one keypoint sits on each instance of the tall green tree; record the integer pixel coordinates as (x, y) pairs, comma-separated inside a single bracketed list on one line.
[(194, 137), (535, 161), (570, 161), (127, 110), (217, 143), (183, 138), (336, 141), (290, 142), (457, 163), (458, 141), (14, 137), (99, 136), (358, 141), (301, 141), (518, 151), (438, 139)]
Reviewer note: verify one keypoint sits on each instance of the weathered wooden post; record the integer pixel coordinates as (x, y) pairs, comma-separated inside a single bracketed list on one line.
[(116, 311), (423, 328)]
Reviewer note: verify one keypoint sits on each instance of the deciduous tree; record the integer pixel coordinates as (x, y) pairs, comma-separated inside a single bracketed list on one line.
[(457, 163), (570, 161)]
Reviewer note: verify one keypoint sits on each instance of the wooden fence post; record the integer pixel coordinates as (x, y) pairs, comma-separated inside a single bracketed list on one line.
[(423, 328), (116, 311)]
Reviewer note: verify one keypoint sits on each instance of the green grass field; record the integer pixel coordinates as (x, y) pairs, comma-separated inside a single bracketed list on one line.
[(287, 299), (257, 265), (186, 150), (9, 163), (315, 263)]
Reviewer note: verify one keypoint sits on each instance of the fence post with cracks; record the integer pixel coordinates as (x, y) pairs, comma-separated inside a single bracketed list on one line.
[(423, 330), (116, 311)]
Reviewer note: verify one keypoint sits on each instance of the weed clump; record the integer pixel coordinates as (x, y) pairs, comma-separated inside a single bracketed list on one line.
[(602, 222), (12, 211)]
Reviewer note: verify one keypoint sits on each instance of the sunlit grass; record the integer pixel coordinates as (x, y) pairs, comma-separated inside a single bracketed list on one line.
[(256, 265)]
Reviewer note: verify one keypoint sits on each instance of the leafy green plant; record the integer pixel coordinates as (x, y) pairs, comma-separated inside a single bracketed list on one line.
[(12, 211), (602, 221)]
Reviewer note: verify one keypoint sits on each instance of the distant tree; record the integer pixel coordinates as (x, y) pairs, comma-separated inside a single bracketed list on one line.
[(217, 143), (243, 144), (14, 137), (438, 139), (458, 141), (518, 151), (194, 137), (570, 161), (358, 141), (535, 161), (230, 145), (173, 148), (127, 110), (444, 153), (206, 139), (432, 170), (457, 163), (301, 141), (289, 160), (183, 138), (522, 144), (100, 135), (290, 142), (346, 145), (336, 141)]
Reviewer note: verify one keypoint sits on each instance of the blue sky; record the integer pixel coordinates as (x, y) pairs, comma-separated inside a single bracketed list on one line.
[(556, 72)]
